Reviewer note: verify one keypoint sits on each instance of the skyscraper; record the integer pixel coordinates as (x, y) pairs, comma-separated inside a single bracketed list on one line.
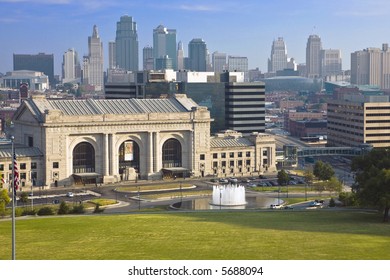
[(93, 64), (37, 62), (245, 107), (278, 59), (330, 62), (71, 69), (219, 62), (313, 56), (239, 64), (147, 58), (111, 55), (180, 56), (197, 52), (371, 66), (126, 44), (164, 44)]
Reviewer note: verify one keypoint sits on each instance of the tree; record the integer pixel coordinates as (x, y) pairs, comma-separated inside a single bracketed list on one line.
[(23, 198), (309, 176), (372, 181), (334, 185), (63, 209), (4, 200), (323, 171), (283, 177)]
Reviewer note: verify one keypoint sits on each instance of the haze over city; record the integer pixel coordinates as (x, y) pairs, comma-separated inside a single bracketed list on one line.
[(236, 28)]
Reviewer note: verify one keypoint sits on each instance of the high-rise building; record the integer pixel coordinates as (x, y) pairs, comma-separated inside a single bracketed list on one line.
[(219, 62), (71, 69), (164, 44), (278, 59), (313, 56), (197, 52), (239, 64), (180, 56), (111, 55), (357, 119), (36, 62), (371, 66), (245, 107), (330, 62), (93, 73), (126, 44), (147, 58)]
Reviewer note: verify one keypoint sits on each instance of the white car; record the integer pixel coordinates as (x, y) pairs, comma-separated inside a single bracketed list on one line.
[(69, 194)]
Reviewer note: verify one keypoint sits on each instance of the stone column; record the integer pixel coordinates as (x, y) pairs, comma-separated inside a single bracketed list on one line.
[(105, 155), (114, 158), (150, 153), (157, 152)]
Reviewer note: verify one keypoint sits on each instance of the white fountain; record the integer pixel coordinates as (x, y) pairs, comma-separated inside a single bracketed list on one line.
[(228, 196)]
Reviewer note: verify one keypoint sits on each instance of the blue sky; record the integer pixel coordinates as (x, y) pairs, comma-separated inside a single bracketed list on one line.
[(245, 28)]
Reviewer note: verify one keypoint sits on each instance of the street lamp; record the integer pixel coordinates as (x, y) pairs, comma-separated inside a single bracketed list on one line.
[(181, 194), (306, 192), (139, 199), (13, 198)]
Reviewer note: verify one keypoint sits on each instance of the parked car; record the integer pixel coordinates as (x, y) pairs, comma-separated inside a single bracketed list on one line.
[(224, 181), (233, 180), (315, 204)]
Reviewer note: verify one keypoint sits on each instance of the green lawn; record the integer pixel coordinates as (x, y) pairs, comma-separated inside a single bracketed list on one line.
[(268, 235)]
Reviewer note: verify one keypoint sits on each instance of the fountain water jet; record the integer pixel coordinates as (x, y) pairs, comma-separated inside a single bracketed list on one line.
[(228, 195)]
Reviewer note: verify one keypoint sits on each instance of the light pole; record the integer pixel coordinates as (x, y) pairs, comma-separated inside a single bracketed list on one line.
[(306, 192), (139, 199), (181, 195), (13, 198), (32, 198)]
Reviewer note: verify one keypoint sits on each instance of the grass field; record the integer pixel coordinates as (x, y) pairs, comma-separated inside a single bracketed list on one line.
[(230, 235)]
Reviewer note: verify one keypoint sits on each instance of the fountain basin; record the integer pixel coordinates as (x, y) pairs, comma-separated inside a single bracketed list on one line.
[(228, 195)]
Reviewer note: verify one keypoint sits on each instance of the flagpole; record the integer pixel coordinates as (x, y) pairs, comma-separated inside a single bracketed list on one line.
[(13, 198)]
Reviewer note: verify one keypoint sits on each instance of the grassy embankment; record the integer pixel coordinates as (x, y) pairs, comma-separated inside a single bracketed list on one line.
[(269, 235)]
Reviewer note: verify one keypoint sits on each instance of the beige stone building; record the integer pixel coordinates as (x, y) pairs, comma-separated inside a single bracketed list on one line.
[(65, 142)]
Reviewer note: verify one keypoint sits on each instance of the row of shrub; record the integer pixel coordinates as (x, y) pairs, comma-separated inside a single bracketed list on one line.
[(63, 209)]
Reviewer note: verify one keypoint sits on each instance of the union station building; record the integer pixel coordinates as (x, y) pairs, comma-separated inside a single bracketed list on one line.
[(66, 142)]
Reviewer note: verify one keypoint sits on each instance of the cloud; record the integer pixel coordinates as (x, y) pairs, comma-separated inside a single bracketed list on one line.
[(53, 2), (198, 8), (364, 8)]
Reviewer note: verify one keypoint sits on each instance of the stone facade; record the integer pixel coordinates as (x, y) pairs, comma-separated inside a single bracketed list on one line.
[(57, 128)]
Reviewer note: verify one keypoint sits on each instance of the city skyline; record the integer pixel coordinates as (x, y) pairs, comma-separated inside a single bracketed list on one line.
[(238, 29)]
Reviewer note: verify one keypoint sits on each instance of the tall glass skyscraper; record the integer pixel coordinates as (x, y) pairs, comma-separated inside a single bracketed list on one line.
[(126, 44), (278, 60), (164, 44), (313, 56), (197, 52), (219, 62), (147, 58), (111, 55)]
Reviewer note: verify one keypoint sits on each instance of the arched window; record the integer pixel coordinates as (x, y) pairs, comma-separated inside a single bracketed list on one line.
[(128, 156), (83, 158), (171, 153)]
